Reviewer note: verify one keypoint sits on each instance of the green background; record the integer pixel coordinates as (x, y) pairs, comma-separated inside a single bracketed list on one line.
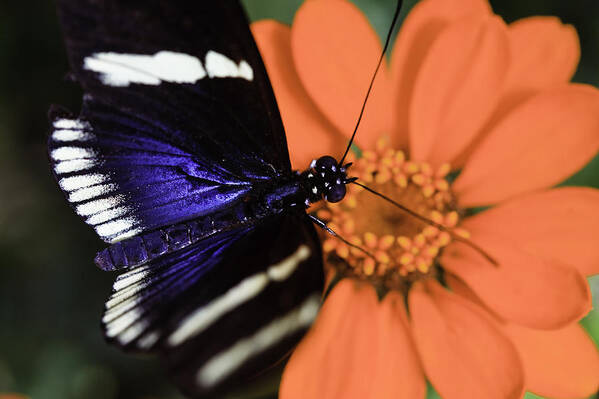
[(51, 294)]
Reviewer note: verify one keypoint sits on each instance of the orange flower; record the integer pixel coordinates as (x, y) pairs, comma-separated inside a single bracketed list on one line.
[(462, 88)]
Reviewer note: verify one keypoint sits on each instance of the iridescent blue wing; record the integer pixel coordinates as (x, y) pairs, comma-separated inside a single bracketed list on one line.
[(225, 308), (178, 121)]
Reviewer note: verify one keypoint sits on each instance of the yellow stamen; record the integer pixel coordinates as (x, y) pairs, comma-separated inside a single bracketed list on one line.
[(401, 247), (419, 179), (426, 169), (404, 242), (386, 242), (329, 245), (443, 170), (370, 240)]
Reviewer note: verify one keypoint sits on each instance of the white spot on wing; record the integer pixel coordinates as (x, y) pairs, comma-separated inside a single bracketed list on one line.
[(126, 234), (127, 327), (109, 229), (286, 267), (70, 124), (71, 135), (202, 318), (247, 289), (69, 153), (107, 215), (124, 69), (75, 165), (84, 194), (226, 362), (76, 182), (133, 331), (97, 206), (125, 280), (148, 339), (221, 66)]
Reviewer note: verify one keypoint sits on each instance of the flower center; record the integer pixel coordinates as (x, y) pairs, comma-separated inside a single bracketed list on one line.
[(405, 248)]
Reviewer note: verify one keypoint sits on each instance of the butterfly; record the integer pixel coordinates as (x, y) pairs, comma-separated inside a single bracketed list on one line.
[(178, 160)]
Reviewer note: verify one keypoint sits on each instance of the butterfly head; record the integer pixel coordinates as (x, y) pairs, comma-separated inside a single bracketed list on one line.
[(327, 179)]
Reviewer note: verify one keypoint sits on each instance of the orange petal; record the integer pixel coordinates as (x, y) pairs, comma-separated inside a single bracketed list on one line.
[(309, 134), (419, 30), (539, 144), (463, 353), (356, 349), (335, 51), (524, 289), (561, 224), (397, 354), (458, 87), (544, 52), (559, 364)]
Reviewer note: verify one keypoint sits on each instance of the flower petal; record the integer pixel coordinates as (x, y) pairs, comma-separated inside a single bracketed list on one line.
[(421, 27), (559, 364), (561, 224), (524, 289), (335, 51), (463, 353), (458, 87), (539, 144), (309, 134), (544, 52), (397, 354), (356, 349)]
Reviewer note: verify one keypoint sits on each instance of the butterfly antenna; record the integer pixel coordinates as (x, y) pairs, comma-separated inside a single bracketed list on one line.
[(324, 226), (432, 223), (395, 18)]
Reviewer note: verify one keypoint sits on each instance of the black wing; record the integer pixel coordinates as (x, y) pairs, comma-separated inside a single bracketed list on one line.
[(225, 308), (178, 120)]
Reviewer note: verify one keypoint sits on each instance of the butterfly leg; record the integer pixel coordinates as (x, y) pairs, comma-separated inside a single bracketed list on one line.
[(324, 226)]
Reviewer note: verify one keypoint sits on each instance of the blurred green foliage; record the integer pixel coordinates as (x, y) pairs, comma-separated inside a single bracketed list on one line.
[(51, 295)]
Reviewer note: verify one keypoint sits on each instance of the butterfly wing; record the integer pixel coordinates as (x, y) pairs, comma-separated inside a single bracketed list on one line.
[(225, 308), (178, 119)]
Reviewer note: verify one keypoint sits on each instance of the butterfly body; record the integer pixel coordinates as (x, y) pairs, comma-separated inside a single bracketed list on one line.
[(290, 195)]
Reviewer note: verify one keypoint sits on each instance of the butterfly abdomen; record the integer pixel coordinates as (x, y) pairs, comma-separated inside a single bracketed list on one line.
[(260, 203)]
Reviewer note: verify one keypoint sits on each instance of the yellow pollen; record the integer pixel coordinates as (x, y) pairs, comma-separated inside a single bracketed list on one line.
[(401, 180), (443, 170), (426, 169), (368, 267), (400, 247), (441, 185), (419, 179), (383, 176), (399, 158), (386, 242), (428, 190), (348, 226), (350, 201), (343, 251), (436, 216), (451, 219), (411, 167), (370, 240), (419, 240), (329, 245), (404, 242), (406, 258)]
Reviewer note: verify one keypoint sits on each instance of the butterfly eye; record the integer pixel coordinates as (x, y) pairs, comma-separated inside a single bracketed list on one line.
[(335, 192), (326, 164)]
